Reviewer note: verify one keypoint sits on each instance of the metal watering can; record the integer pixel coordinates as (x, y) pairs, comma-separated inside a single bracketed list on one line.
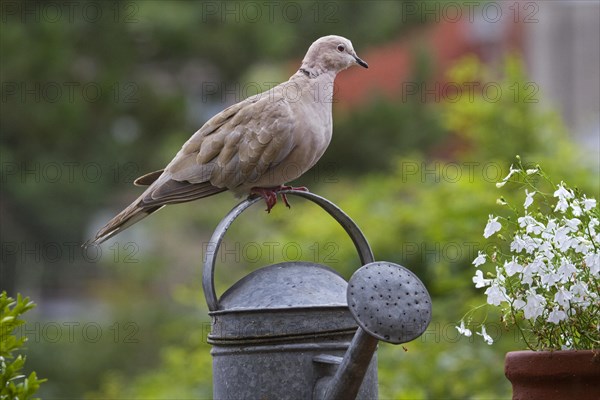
[(298, 330)]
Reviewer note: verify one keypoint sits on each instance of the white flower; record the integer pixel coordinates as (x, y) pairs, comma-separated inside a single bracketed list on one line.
[(535, 306), (536, 265), (588, 204), (562, 297), (562, 192), (488, 339), (518, 304), (495, 294), (492, 227), (579, 292), (549, 279), (462, 330), (562, 240), (480, 259), (507, 177), (592, 261), (576, 208), (512, 267), (561, 205), (568, 343), (583, 246), (518, 244), (526, 243), (530, 271), (531, 171), (550, 229), (567, 270), (479, 281), (563, 195), (530, 224), (528, 199), (572, 224), (556, 316)]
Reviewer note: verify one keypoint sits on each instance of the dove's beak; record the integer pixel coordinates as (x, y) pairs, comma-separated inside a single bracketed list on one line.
[(361, 62)]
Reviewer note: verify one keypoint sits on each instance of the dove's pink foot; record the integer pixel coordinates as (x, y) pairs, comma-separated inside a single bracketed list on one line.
[(270, 194)]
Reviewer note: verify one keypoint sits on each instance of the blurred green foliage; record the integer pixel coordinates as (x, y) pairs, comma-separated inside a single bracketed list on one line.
[(417, 178), (13, 383)]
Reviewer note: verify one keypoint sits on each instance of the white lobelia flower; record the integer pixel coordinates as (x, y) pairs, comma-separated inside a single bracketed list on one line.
[(531, 171), (536, 265), (556, 316), (488, 339), (495, 294), (561, 205), (576, 207), (507, 177), (592, 261), (492, 226), (562, 297), (582, 246), (518, 304), (462, 330), (518, 244), (562, 240), (512, 267), (550, 229), (528, 199), (530, 272), (588, 204), (563, 193), (549, 279), (579, 292), (566, 271), (572, 224), (535, 305), (530, 224), (526, 243), (479, 280), (545, 250), (480, 259)]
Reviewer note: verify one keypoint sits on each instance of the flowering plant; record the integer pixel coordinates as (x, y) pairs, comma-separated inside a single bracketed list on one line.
[(546, 266)]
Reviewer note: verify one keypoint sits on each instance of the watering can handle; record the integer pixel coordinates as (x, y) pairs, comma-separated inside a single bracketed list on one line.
[(208, 282)]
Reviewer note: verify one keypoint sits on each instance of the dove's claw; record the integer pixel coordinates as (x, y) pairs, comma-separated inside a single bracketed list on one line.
[(270, 195), (285, 201)]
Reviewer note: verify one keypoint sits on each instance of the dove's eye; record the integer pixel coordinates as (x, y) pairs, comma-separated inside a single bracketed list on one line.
[(341, 48)]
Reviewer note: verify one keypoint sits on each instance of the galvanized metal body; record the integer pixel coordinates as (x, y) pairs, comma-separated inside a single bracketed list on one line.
[(285, 331), (275, 324)]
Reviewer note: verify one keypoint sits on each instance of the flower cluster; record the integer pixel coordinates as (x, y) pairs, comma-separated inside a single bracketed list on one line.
[(546, 268)]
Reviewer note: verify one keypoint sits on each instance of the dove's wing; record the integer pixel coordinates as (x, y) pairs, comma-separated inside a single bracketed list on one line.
[(235, 147)]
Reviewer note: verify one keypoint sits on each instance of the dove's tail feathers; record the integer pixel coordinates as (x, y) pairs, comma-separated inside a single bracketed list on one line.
[(153, 199), (129, 216)]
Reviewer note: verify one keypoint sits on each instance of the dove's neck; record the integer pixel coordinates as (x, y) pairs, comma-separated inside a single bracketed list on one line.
[(313, 70)]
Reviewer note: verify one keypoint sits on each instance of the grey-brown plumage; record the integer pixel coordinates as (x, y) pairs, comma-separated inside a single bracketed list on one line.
[(260, 143)]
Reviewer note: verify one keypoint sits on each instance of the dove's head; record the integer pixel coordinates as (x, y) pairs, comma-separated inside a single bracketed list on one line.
[(331, 54)]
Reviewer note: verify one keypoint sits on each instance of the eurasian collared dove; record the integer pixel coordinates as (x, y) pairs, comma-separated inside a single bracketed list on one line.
[(254, 146)]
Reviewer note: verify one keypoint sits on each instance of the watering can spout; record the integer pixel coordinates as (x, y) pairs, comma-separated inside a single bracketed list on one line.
[(389, 303)]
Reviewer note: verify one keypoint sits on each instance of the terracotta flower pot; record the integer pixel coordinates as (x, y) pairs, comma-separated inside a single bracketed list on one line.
[(554, 375)]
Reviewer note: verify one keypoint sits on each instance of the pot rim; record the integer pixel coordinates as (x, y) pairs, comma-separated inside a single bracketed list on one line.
[(553, 363)]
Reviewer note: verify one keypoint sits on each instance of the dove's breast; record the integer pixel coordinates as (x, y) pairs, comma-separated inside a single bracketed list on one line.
[(288, 129)]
